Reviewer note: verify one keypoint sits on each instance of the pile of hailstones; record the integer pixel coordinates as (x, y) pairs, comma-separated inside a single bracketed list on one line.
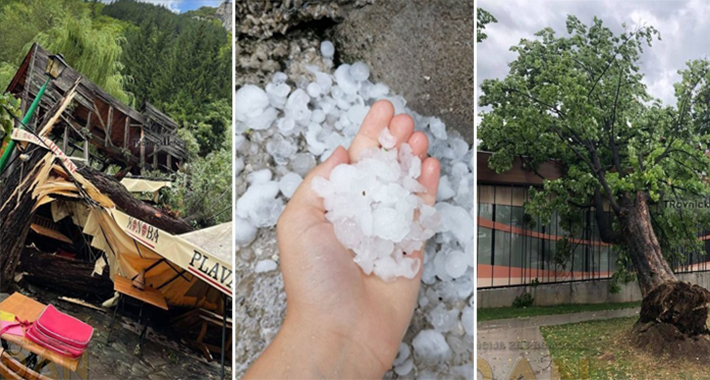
[(327, 113), (375, 210)]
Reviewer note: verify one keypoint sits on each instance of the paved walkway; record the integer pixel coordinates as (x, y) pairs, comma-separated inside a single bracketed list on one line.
[(503, 342)]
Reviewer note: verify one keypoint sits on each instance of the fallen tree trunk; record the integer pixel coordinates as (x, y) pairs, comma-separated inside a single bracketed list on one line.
[(125, 202), (63, 275), (673, 317)]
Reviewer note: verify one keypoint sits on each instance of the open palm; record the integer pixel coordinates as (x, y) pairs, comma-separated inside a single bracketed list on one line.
[(323, 285)]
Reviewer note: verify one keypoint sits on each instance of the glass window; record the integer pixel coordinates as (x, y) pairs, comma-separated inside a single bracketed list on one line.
[(579, 262), (485, 240), (486, 195), (518, 252), (502, 248), (534, 252), (517, 217), (503, 214)]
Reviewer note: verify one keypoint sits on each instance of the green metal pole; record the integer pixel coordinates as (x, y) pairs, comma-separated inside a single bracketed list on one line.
[(10, 148)]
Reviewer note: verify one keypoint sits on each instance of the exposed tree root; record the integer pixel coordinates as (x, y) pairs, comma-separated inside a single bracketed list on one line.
[(673, 322)]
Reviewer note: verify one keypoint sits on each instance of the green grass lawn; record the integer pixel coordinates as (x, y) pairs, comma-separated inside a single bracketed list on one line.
[(533, 311), (601, 350)]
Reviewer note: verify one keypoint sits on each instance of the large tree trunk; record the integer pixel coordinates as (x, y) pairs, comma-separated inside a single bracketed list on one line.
[(127, 203), (73, 278), (673, 316), (652, 269)]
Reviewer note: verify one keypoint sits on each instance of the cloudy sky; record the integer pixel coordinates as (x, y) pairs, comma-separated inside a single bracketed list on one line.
[(684, 27), (180, 6)]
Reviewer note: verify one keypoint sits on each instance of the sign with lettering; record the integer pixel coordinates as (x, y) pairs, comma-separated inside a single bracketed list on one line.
[(211, 271), (202, 264), (143, 231), (45, 142)]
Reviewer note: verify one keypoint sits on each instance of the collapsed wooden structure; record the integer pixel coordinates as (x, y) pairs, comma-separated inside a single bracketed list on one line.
[(39, 244), (121, 135)]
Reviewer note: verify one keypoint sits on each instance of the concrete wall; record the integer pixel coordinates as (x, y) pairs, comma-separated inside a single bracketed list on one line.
[(580, 292)]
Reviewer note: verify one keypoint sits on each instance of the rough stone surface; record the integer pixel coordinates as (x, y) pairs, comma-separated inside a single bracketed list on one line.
[(263, 19), (423, 49), (224, 14)]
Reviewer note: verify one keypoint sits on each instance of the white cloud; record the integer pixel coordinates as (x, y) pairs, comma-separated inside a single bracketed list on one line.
[(683, 26)]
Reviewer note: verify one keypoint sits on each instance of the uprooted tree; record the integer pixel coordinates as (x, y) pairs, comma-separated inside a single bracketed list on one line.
[(580, 100)]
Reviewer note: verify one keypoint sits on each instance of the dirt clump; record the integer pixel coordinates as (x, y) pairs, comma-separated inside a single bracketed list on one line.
[(673, 322)]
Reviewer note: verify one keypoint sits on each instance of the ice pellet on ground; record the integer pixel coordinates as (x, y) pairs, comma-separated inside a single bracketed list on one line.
[(374, 213), (402, 354), (302, 163), (430, 345), (467, 320), (244, 231), (288, 184), (359, 71), (456, 264), (438, 129), (281, 149), (250, 102), (327, 49), (443, 319), (457, 220), (404, 368), (265, 266), (345, 80), (445, 190)]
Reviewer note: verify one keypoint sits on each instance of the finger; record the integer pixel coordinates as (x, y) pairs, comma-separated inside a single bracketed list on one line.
[(378, 118), (401, 128), (430, 179), (419, 143), (303, 194)]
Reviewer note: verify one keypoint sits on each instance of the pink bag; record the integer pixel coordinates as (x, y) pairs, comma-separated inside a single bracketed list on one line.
[(61, 333)]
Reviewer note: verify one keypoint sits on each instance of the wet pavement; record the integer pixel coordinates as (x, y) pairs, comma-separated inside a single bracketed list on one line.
[(514, 343)]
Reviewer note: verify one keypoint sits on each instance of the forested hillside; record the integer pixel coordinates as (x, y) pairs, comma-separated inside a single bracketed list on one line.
[(139, 53)]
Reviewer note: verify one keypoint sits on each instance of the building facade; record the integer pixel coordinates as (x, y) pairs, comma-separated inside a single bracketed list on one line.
[(514, 249)]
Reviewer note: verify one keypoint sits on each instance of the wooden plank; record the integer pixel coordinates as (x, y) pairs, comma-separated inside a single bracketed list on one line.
[(126, 130), (50, 233), (86, 139), (28, 309), (98, 116), (109, 125), (28, 80), (47, 129), (142, 148)]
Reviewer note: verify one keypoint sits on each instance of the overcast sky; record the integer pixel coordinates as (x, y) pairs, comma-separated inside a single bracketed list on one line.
[(684, 27), (180, 6)]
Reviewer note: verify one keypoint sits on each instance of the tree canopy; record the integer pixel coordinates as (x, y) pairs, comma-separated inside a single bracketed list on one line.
[(483, 18), (580, 100)]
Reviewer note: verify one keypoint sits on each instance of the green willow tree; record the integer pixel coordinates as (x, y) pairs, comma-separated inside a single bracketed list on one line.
[(580, 100), (92, 48)]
